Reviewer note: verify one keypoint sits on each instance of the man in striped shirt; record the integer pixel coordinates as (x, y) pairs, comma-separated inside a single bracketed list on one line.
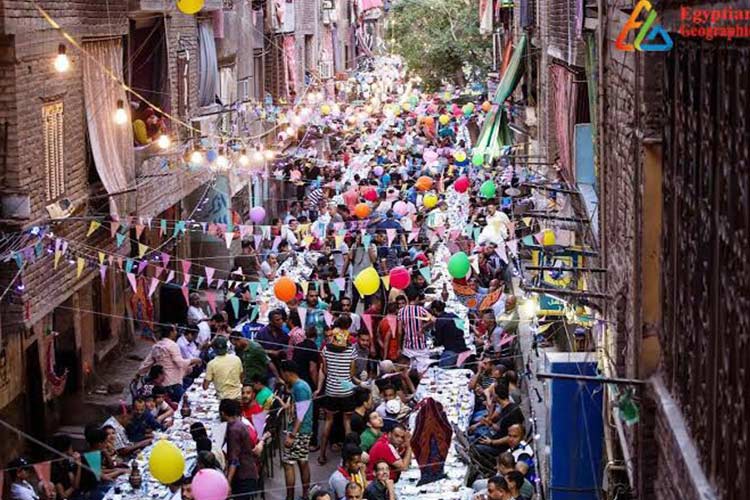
[(412, 320)]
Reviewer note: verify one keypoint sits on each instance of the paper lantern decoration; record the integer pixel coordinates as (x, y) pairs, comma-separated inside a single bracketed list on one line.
[(285, 289), (486, 106), (362, 210), (477, 159), (399, 277), (325, 110), (488, 189), (400, 208), (444, 119), (367, 281), (459, 265), (461, 185), (430, 200), (209, 484), (423, 183), (257, 214), (548, 238), (371, 194), (190, 7), (378, 171), (166, 462)]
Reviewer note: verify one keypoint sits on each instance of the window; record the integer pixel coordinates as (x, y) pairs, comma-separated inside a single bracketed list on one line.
[(54, 170), (258, 75)]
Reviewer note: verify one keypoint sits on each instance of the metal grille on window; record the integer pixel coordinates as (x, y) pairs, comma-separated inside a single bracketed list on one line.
[(52, 115)]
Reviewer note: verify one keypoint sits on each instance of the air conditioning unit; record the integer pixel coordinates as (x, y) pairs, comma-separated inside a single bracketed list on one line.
[(326, 69)]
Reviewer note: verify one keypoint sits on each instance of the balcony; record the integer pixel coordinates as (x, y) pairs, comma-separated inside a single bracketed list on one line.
[(150, 6)]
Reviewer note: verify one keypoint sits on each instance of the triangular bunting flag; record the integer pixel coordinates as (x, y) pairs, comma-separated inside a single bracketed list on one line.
[(302, 311), (142, 250), (276, 242), (165, 259), (328, 317), (258, 239), (366, 240), (19, 259), (152, 287), (301, 408), (391, 233), (162, 227), (235, 301), (427, 273), (128, 265), (259, 422), (254, 313), (244, 230), (186, 266), (474, 260), (43, 471), (367, 318), (102, 271), (211, 300), (335, 289), (133, 282), (186, 295), (253, 286), (219, 284), (200, 282), (101, 257), (341, 283), (228, 237), (94, 461), (93, 226), (139, 231), (170, 276), (113, 227), (460, 323), (142, 266), (386, 281), (79, 266), (209, 275), (391, 319), (186, 279), (527, 221), (414, 233), (264, 283), (528, 240), (120, 239), (462, 357)]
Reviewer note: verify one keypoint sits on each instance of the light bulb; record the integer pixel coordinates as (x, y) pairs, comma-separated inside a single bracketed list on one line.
[(62, 63), (296, 121), (243, 160), (196, 157), (164, 141), (222, 162), (121, 116), (290, 131), (258, 157), (268, 154)]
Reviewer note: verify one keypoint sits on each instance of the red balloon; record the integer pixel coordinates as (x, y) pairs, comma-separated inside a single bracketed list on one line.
[(371, 194), (461, 185), (400, 277)]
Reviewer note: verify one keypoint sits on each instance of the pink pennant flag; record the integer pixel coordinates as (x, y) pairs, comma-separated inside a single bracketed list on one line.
[(276, 242), (506, 339), (244, 229), (158, 271), (209, 275), (133, 283), (186, 279), (414, 233), (301, 408), (186, 294), (43, 472), (204, 225), (440, 231), (111, 260), (212, 229), (228, 237), (186, 266), (391, 233), (263, 308), (148, 221), (302, 311), (102, 271), (462, 356), (258, 239), (113, 227), (119, 262), (259, 422), (539, 237), (500, 251), (170, 276), (139, 231), (165, 259), (211, 299), (219, 284), (152, 287), (341, 283), (454, 234), (367, 318), (391, 322), (142, 265)]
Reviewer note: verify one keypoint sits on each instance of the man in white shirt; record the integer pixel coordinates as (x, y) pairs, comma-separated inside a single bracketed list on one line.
[(20, 488), (197, 318)]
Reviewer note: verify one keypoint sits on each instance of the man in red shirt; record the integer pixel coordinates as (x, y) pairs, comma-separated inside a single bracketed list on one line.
[(393, 448)]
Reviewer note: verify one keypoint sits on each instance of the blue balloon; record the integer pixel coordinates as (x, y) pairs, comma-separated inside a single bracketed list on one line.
[(212, 155), (386, 179)]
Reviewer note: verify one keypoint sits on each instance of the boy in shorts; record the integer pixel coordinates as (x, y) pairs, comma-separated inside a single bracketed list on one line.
[(296, 448)]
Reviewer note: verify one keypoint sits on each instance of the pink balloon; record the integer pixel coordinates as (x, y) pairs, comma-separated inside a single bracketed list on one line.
[(257, 214), (399, 277), (430, 156), (400, 208), (210, 484), (461, 184)]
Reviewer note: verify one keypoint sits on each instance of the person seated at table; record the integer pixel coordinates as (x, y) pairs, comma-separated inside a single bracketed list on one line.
[(497, 489), (447, 335), (517, 483), (382, 487), (119, 421), (21, 470), (66, 474), (157, 404), (349, 471), (395, 449), (200, 436), (142, 423), (491, 436), (521, 451), (373, 431), (91, 486), (186, 493), (506, 466)]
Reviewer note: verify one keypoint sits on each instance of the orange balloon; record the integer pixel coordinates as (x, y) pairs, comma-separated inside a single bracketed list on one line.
[(486, 106), (285, 289), (424, 183), (429, 121), (362, 210)]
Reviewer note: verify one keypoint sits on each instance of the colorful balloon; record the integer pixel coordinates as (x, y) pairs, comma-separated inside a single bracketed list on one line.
[(429, 156), (209, 484), (400, 208), (548, 238), (257, 214), (444, 119), (378, 171), (461, 185), (488, 189), (367, 281), (386, 179), (477, 159), (371, 194), (362, 210), (399, 277), (429, 121), (430, 200), (459, 156), (467, 110), (423, 183), (325, 110), (190, 7), (486, 106), (285, 289), (406, 106), (166, 462), (459, 265)]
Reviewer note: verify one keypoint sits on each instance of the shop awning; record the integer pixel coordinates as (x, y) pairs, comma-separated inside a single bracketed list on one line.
[(496, 133)]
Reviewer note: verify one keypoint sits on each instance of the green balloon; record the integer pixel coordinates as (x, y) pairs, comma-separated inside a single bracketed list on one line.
[(477, 159), (488, 189), (458, 265), (414, 100)]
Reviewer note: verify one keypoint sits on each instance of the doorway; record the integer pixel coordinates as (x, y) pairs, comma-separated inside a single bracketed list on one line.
[(35, 408)]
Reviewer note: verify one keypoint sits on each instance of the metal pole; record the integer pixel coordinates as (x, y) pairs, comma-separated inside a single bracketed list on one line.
[(591, 378)]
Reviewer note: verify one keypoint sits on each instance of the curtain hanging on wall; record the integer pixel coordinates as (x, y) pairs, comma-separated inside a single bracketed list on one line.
[(111, 144), (563, 92), (209, 68)]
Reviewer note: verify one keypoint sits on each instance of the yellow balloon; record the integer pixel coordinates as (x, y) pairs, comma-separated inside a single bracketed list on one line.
[(325, 110), (444, 119), (367, 281), (459, 156), (190, 6), (166, 462), (430, 200), (548, 238), (406, 106)]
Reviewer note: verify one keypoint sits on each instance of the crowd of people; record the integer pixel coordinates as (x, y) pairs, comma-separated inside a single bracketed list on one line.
[(340, 368)]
